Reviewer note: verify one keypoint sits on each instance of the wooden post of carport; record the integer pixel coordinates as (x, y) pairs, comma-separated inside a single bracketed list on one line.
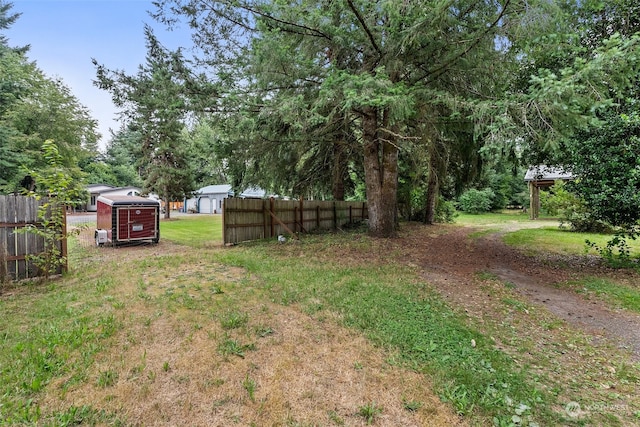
[(534, 200)]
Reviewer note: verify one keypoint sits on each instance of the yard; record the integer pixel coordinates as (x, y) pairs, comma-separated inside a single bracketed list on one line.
[(445, 325)]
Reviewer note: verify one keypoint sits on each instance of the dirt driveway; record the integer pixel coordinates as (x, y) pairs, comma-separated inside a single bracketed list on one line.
[(451, 258)]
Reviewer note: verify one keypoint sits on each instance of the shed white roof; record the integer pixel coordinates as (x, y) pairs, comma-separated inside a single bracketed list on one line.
[(214, 189)]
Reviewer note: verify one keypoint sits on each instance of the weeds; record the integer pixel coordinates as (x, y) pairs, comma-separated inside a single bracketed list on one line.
[(231, 347), (369, 412), (411, 405), (250, 386), (234, 320), (264, 331), (107, 378)]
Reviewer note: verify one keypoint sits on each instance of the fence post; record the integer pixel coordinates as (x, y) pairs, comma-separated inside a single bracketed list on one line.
[(264, 218), (335, 217), (271, 209), (63, 242), (224, 220), (302, 229), (318, 217)]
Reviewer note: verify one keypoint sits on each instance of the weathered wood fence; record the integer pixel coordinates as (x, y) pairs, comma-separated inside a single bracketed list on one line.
[(254, 219), (16, 213)]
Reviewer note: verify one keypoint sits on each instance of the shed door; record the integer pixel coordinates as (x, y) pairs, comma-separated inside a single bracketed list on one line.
[(136, 223), (205, 205)]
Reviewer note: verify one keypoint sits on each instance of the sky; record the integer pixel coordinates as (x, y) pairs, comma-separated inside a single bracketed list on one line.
[(66, 34)]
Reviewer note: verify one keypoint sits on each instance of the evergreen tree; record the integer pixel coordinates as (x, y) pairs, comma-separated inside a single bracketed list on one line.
[(154, 106)]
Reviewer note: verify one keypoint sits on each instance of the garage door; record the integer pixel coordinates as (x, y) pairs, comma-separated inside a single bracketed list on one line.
[(204, 205)]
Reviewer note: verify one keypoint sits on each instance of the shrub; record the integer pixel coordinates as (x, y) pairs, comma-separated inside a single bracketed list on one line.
[(445, 211), (476, 201), (571, 209)]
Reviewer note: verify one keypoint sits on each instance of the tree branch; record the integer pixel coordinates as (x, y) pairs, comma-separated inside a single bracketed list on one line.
[(364, 27), (442, 68)]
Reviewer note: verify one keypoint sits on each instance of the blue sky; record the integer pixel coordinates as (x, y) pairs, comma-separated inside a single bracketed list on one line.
[(65, 34)]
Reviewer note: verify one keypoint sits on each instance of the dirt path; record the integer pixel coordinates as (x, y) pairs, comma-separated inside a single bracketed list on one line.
[(451, 260)]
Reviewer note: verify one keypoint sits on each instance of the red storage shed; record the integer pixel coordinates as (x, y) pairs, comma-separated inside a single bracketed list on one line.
[(126, 219)]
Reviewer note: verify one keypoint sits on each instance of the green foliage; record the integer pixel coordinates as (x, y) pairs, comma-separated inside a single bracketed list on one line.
[(606, 162), (617, 251), (445, 212), (559, 201), (117, 166), (250, 385), (107, 378), (509, 189), (232, 347), (234, 319), (56, 191), (332, 85), (476, 201)]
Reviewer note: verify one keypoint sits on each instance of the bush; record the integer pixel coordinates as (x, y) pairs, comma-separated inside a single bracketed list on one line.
[(445, 212), (476, 201), (605, 159), (509, 190), (571, 209)]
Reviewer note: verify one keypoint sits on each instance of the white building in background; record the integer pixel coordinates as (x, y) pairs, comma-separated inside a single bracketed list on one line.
[(210, 199), (96, 190)]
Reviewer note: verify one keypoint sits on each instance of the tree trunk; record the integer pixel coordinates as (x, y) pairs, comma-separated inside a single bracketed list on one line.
[(432, 193), (167, 211), (381, 177), (339, 170)]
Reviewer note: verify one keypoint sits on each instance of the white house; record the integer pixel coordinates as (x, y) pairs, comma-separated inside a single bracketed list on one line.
[(96, 190)]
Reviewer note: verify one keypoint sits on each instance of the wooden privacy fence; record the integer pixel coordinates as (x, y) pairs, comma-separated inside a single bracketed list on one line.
[(254, 219), (16, 213)]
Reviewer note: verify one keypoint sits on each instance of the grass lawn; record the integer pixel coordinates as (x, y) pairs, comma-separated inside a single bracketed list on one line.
[(332, 330), (556, 240), (193, 230), (492, 217)]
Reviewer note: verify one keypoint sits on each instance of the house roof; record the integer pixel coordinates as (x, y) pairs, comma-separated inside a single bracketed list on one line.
[(547, 173), (97, 188), (119, 189), (214, 189)]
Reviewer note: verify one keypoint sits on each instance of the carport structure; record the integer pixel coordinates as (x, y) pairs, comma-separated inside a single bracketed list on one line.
[(542, 176)]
